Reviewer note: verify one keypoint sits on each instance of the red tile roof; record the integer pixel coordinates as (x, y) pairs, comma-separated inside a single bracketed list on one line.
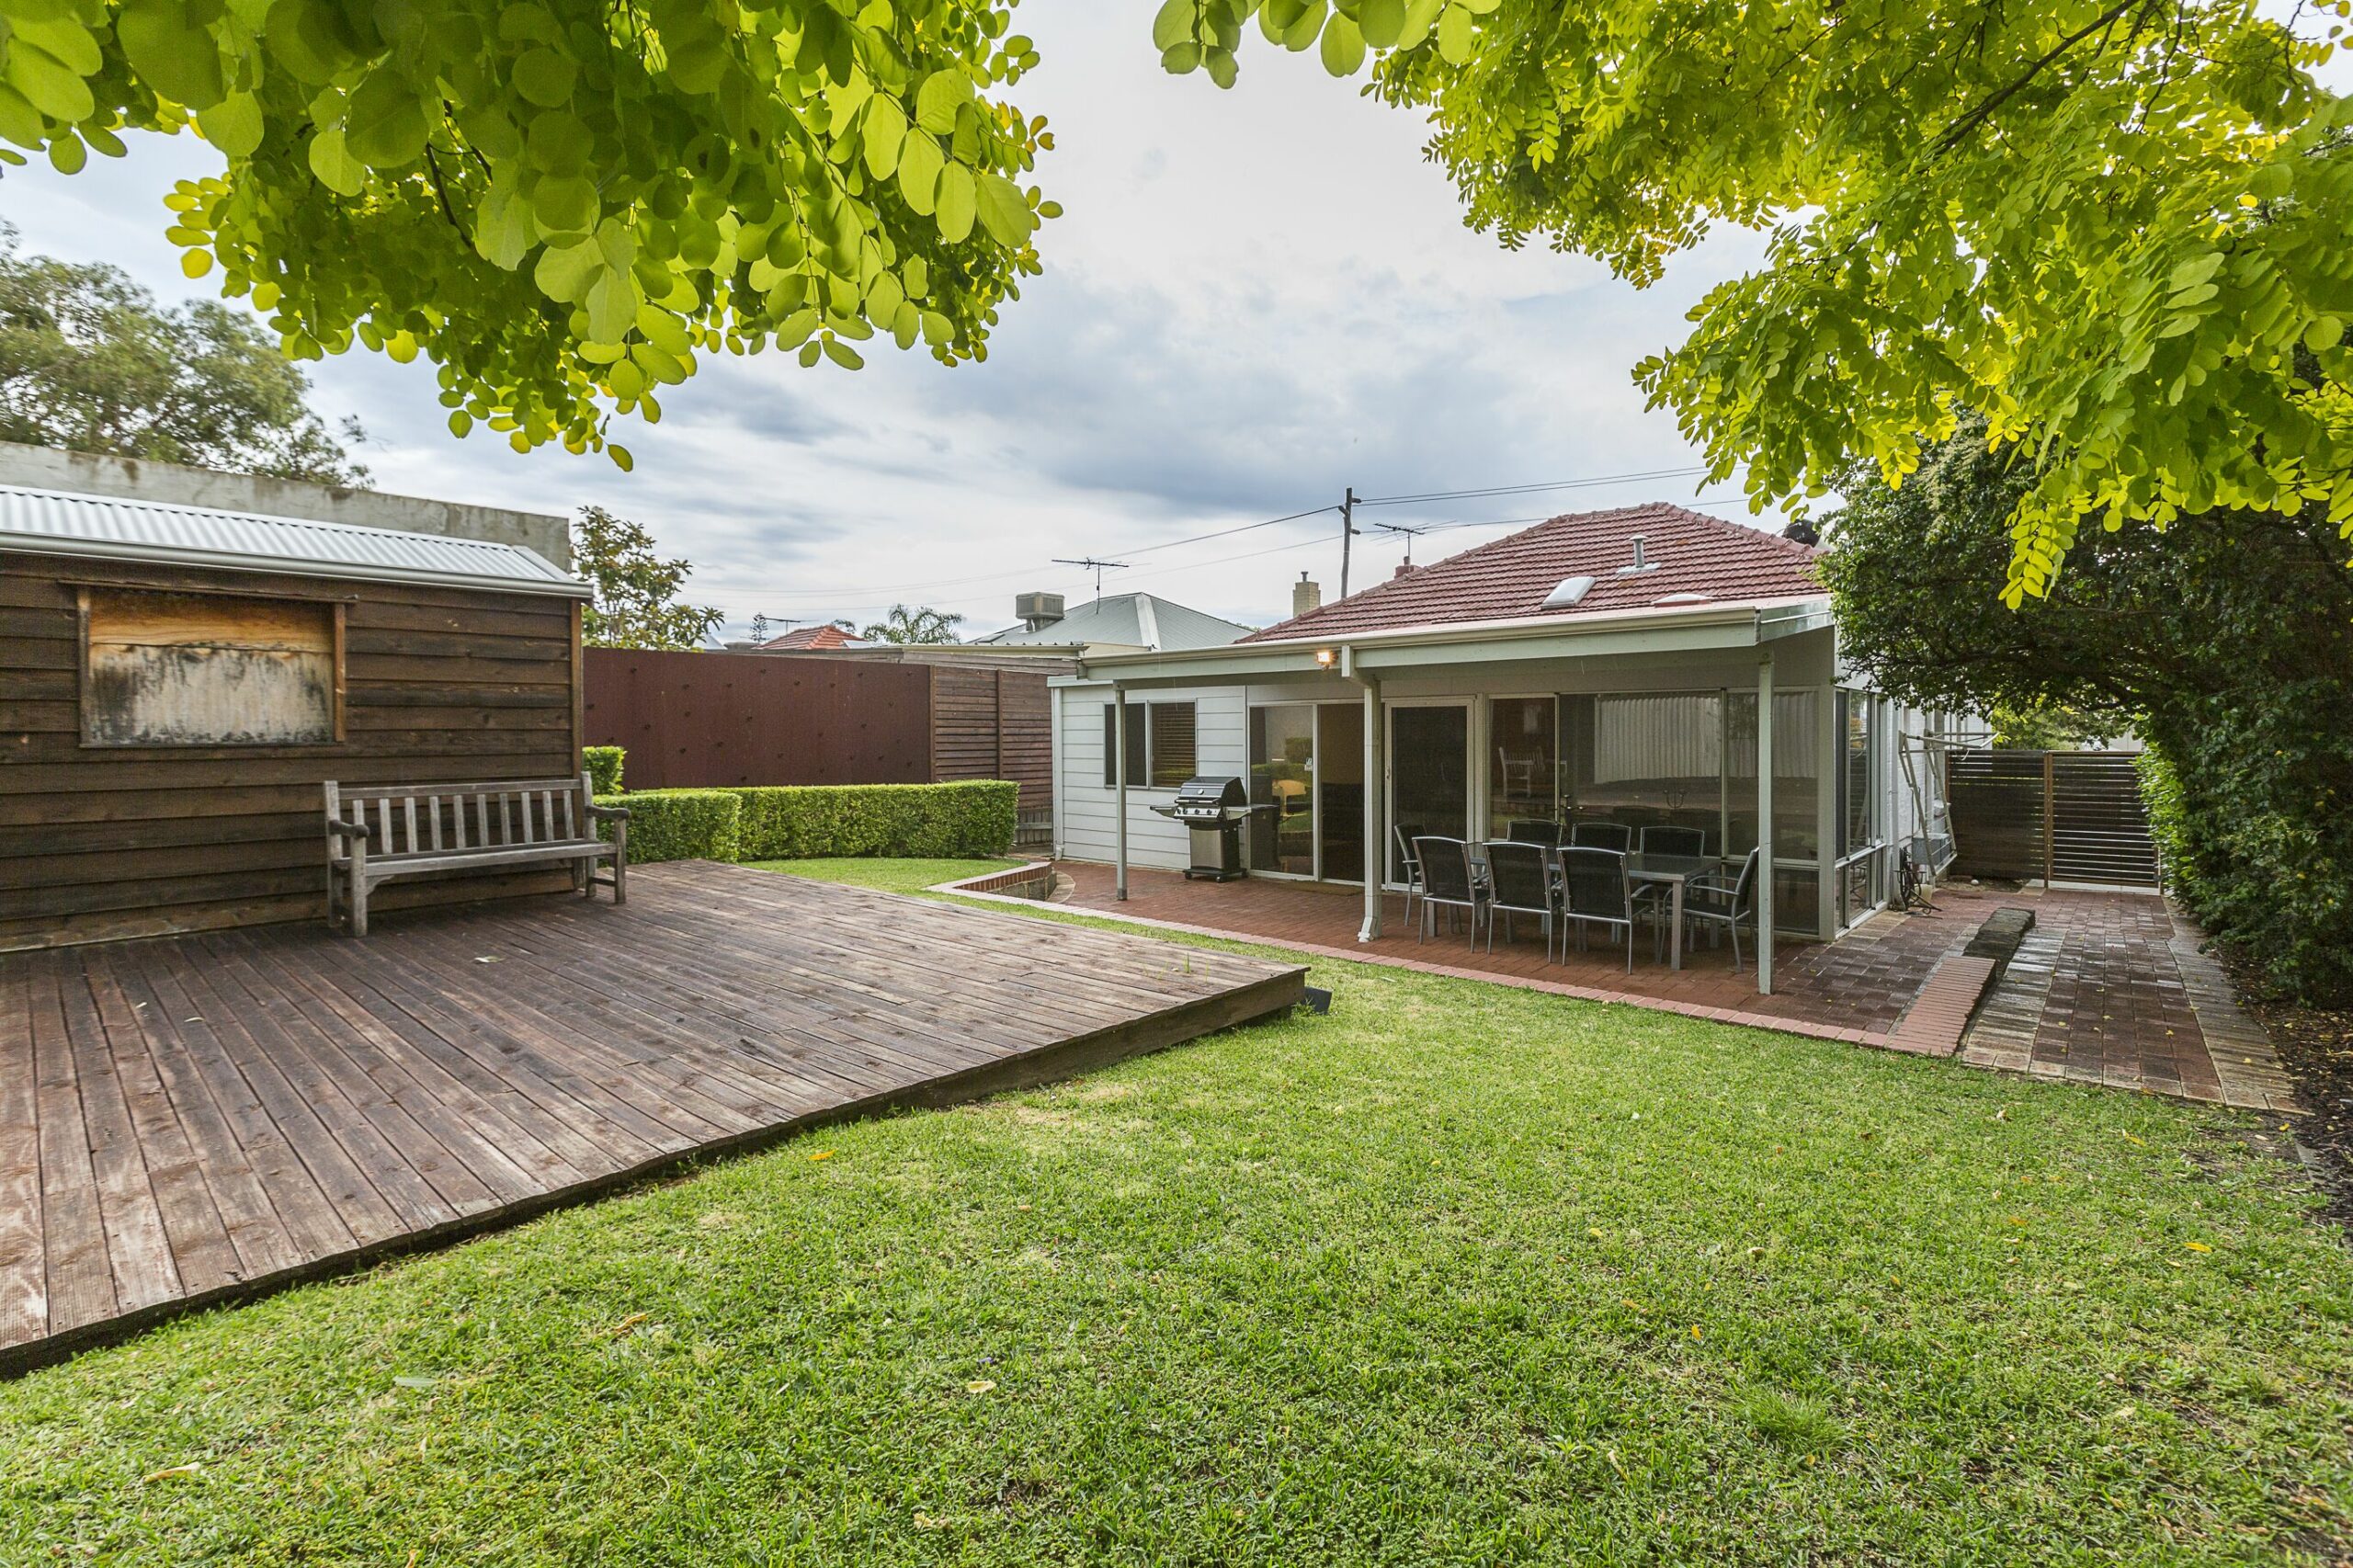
[(812, 636), (1689, 553)]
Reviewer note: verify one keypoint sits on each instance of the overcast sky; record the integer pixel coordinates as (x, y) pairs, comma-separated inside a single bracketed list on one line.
[(1254, 299)]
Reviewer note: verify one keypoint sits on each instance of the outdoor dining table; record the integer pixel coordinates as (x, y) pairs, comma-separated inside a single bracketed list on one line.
[(1672, 872), (1656, 866)]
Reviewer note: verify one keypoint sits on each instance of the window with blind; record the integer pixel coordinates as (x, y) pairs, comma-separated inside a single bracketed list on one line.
[(1161, 752)]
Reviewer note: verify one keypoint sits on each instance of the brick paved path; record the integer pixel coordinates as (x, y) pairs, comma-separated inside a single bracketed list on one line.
[(2110, 989)]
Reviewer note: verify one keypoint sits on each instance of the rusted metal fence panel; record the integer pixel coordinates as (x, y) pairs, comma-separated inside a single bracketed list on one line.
[(2050, 816), (691, 719)]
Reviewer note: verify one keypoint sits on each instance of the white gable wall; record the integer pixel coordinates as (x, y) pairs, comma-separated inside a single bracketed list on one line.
[(1085, 824)]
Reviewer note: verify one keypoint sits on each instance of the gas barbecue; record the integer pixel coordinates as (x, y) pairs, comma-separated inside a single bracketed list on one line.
[(1214, 807)]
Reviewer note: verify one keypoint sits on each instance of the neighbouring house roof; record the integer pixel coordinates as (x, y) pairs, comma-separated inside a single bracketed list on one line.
[(806, 637), (1695, 560), (1127, 620), (58, 522)]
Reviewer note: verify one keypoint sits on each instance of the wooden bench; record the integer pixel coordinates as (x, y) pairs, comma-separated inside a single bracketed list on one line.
[(377, 833)]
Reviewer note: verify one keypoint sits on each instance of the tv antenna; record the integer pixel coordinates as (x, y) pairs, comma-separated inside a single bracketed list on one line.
[(1411, 533), (1097, 567)]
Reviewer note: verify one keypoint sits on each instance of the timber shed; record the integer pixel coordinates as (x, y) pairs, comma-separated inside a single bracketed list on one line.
[(178, 681)]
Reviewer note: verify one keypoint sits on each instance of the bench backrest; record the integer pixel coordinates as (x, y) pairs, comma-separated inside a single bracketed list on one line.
[(442, 819)]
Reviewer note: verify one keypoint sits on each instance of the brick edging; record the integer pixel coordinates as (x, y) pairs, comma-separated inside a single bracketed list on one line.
[(985, 884), (975, 889)]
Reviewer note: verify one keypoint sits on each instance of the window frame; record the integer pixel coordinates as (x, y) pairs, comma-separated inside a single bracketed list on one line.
[(1140, 750), (338, 604)]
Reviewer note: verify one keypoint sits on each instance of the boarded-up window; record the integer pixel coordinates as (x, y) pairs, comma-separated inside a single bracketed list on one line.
[(207, 670)]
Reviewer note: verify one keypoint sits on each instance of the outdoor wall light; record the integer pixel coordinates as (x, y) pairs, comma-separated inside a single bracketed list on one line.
[(1324, 657)]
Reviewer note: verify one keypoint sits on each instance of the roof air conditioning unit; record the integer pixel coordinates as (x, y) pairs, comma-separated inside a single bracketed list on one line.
[(1037, 610)]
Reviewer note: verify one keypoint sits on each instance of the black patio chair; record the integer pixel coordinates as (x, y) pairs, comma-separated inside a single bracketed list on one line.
[(1449, 882), (1409, 862), (1614, 835), (1715, 904), (1521, 881), (1526, 832), (1598, 894), (1691, 841)]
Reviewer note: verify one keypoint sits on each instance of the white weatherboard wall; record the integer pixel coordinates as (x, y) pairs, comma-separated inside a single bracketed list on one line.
[(1085, 824)]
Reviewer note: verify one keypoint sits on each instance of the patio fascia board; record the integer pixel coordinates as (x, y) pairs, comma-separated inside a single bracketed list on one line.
[(1714, 627)]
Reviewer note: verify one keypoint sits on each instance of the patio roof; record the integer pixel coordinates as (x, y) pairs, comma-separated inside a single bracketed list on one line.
[(1597, 634)]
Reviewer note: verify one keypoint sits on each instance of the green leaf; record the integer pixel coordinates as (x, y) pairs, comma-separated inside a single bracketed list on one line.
[(1004, 211), (163, 43), (503, 231), (1455, 38), (385, 127), (47, 84), (1179, 59), (19, 121), (1301, 34), (842, 354), (564, 206), (959, 202), (233, 125), (936, 101), (885, 136), (66, 154), (2325, 334), (1173, 25), (564, 272), (335, 168), (62, 38), (545, 77), (1380, 21), (612, 305), (1343, 47), (920, 162)]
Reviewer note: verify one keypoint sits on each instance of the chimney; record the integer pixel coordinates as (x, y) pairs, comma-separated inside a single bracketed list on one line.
[(1404, 567), (1038, 611), (1306, 595)]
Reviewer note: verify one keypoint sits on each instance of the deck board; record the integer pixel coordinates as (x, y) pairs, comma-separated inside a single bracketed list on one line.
[(192, 1120)]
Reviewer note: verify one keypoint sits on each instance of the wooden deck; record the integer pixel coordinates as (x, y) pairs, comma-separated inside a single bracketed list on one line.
[(193, 1118)]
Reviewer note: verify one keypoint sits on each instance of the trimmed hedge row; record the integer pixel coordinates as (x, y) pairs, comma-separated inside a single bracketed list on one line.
[(681, 824), (964, 821), (604, 765)]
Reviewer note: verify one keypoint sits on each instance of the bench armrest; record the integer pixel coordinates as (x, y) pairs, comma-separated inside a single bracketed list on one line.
[(608, 813), (351, 830)]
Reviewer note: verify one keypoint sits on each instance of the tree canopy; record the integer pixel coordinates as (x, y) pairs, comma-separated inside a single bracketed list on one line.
[(2227, 645), (2120, 229), (920, 624), (636, 603), (90, 363), (565, 204)]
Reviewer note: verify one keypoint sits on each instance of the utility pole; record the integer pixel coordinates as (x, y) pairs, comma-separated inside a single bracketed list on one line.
[(1347, 532)]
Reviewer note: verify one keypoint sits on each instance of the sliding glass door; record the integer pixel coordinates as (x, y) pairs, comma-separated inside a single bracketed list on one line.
[(1282, 783), (1339, 790), (1429, 772)]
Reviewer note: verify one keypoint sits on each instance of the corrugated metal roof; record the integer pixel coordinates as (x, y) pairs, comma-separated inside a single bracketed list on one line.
[(1127, 620), (106, 528)]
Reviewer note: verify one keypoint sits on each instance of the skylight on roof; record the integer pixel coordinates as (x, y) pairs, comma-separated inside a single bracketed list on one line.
[(1568, 593)]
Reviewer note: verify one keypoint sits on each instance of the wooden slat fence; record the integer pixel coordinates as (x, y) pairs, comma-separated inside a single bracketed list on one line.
[(2050, 816)]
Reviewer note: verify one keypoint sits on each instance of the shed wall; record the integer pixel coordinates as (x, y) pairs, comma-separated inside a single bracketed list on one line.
[(440, 685)]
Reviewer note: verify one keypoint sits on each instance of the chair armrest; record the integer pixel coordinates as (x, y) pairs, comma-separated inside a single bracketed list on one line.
[(608, 813), (351, 830)]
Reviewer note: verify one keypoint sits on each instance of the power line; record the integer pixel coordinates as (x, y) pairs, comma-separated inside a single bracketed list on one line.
[(1270, 522), (1595, 481)]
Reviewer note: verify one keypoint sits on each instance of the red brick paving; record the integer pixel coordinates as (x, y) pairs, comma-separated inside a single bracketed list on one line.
[(2110, 1007)]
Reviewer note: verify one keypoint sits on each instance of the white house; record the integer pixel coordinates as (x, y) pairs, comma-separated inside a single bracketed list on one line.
[(1630, 665)]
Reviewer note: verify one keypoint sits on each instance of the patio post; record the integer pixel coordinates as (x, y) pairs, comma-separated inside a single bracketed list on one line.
[(1765, 824), (1119, 784), (1376, 812)]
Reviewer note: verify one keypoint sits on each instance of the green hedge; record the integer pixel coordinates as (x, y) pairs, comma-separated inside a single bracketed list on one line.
[(604, 765), (931, 822), (681, 824), (968, 821)]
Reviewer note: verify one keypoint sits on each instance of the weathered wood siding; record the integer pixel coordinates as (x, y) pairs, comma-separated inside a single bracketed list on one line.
[(100, 842), (993, 724)]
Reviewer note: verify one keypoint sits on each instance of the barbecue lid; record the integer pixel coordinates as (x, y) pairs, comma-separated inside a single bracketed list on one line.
[(1212, 789)]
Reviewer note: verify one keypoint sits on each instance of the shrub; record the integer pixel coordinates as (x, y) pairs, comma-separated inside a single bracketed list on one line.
[(901, 820), (604, 765), (681, 824)]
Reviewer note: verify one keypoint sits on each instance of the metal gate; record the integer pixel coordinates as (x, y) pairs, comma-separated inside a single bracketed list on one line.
[(2065, 816)]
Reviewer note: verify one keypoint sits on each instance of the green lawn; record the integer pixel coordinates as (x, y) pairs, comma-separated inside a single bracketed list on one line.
[(1459, 1274)]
